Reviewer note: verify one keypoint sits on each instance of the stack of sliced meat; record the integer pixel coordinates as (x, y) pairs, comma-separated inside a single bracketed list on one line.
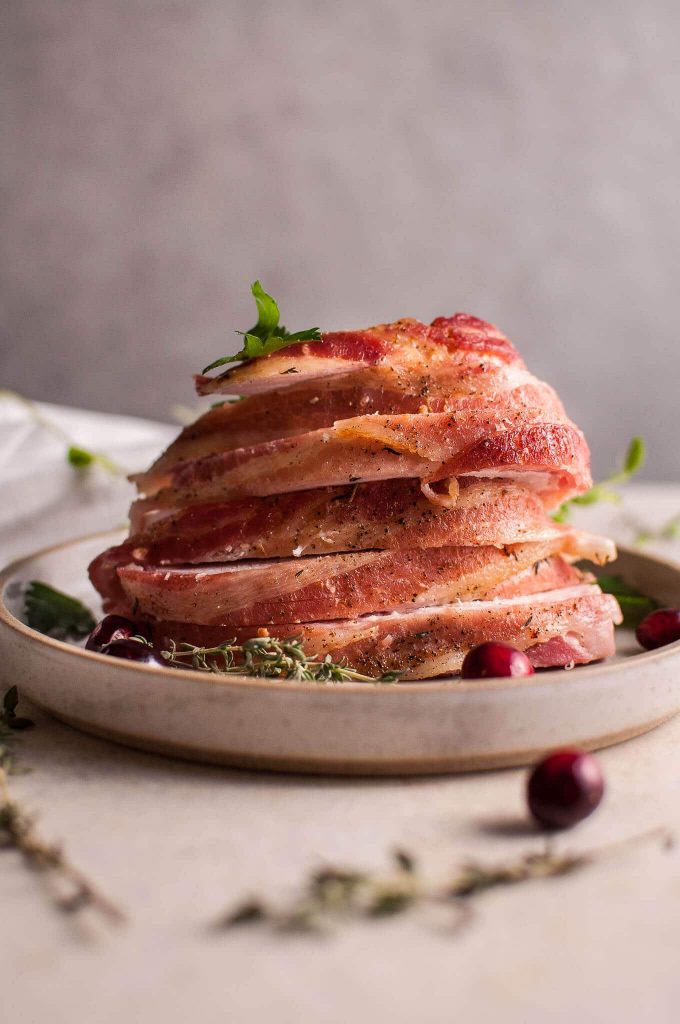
[(382, 494)]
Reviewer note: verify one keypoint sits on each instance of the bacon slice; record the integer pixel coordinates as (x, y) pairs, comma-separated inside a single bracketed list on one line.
[(460, 340), (309, 407), (552, 459), (339, 586), (572, 625), (486, 515), (377, 516), (387, 515)]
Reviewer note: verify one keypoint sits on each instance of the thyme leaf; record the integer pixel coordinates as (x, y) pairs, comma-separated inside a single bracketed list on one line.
[(267, 335), (633, 461), (54, 613)]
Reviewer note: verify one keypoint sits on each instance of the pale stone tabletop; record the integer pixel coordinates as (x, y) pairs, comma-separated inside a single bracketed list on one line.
[(175, 842)]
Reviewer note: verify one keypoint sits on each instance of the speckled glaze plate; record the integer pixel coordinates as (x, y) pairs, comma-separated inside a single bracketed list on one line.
[(357, 728)]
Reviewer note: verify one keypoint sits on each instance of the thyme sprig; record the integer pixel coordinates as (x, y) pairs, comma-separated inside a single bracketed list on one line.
[(59, 615), (267, 335), (330, 894), (72, 890), (267, 657), (76, 455), (633, 461)]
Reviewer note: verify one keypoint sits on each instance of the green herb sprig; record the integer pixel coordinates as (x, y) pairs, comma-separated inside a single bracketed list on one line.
[(332, 895), (267, 657), (633, 461), (54, 613), (634, 605), (267, 335)]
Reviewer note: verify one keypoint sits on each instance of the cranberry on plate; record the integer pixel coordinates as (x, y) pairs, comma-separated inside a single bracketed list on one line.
[(112, 627), (564, 788), (133, 650), (659, 628), (493, 660)]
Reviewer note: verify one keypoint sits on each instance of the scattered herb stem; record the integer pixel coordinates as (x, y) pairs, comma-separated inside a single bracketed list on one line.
[(18, 832), (330, 895), (76, 455), (73, 891)]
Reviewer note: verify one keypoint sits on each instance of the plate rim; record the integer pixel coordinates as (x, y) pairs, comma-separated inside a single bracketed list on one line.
[(446, 684)]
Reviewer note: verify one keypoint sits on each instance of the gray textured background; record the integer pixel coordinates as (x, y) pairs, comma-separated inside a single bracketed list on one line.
[(518, 160)]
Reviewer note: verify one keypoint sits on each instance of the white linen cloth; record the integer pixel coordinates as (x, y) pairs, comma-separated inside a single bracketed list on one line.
[(175, 842)]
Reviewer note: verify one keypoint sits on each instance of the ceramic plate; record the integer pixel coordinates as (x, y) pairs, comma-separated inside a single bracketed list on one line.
[(348, 728)]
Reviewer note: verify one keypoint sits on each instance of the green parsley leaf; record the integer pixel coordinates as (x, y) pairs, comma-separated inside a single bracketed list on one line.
[(634, 460), (54, 613), (267, 335)]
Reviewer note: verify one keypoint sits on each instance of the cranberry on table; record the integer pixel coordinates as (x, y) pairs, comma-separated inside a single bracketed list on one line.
[(565, 788), (112, 627), (659, 628), (493, 660), (134, 650)]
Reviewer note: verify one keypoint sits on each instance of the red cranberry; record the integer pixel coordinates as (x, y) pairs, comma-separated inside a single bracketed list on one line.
[(659, 628), (565, 788), (133, 650), (495, 660), (112, 627)]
